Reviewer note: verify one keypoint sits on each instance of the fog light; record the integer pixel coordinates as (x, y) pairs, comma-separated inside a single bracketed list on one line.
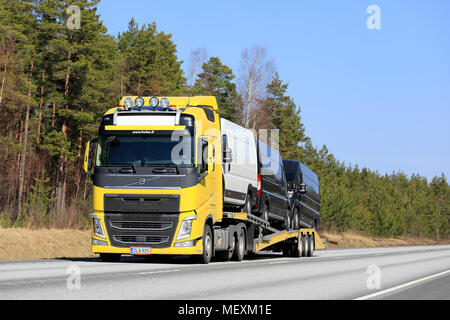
[(185, 244), (96, 242)]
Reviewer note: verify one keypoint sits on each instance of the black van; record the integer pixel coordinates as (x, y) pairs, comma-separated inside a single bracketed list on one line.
[(304, 193), (273, 200)]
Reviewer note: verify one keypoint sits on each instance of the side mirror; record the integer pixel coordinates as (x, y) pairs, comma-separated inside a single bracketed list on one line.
[(88, 156), (303, 188), (228, 156), (291, 186)]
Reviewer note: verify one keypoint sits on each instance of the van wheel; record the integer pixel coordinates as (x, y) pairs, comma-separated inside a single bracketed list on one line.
[(248, 205), (265, 214), (288, 222), (296, 220)]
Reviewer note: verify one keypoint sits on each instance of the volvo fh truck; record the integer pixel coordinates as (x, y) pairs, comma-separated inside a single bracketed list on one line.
[(158, 186)]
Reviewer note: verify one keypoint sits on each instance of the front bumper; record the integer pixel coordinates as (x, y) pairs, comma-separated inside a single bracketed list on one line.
[(125, 231)]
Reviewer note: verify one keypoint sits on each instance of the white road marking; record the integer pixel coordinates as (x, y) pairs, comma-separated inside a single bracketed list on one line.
[(383, 292), (279, 262), (163, 271)]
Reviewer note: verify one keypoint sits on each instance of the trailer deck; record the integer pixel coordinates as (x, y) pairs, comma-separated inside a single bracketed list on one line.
[(300, 242)]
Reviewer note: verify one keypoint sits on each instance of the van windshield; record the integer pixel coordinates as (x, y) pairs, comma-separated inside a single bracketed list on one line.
[(145, 150)]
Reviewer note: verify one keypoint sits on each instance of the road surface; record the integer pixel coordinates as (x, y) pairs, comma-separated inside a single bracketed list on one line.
[(378, 273)]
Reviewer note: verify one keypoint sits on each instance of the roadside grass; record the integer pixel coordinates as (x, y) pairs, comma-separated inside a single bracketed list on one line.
[(28, 244), (354, 240)]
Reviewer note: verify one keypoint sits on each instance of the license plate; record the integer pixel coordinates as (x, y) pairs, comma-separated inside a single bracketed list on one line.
[(141, 251)]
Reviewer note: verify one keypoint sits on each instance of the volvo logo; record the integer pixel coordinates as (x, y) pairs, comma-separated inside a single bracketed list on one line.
[(141, 181)]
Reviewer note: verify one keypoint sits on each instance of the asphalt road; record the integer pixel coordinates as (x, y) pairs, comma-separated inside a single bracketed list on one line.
[(380, 273)]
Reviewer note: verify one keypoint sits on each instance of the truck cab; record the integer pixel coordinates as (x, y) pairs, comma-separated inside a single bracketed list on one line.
[(156, 172)]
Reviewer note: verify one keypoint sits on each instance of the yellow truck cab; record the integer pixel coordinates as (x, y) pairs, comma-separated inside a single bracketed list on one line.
[(156, 172)]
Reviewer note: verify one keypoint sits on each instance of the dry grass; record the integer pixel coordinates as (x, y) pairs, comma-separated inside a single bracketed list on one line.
[(353, 240), (26, 244)]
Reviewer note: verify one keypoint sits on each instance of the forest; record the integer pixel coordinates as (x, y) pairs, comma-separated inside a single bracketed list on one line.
[(57, 82)]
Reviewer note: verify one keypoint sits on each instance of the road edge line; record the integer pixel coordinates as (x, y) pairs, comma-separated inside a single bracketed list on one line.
[(402, 286)]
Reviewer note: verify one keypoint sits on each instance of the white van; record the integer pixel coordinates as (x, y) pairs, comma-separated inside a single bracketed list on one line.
[(240, 166)]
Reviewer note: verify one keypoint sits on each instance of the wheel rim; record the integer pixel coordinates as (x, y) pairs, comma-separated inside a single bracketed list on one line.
[(208, 245), (241, 246), (266, 214), (306, 239)]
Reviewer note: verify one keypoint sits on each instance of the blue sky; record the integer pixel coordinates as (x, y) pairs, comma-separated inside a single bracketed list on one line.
[(376, 98)]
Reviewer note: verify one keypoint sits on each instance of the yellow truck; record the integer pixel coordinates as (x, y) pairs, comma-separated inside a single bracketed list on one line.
[(156, 168)]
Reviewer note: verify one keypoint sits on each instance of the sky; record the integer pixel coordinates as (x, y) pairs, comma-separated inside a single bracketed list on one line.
[(376, 98)]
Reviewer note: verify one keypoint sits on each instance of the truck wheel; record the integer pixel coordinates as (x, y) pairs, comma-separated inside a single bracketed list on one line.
[(298, 249), (228, 254), (206, 255), (239, 251), (305, 245), (311, 245), (110, 257)]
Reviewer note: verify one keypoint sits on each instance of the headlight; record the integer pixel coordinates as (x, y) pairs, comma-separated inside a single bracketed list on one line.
[(139, 102), (154, 102), (128, 103), (186, 227), (98, 228), (164, 103)]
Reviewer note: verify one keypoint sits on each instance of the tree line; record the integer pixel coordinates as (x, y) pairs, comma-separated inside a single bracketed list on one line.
[(57, 82)]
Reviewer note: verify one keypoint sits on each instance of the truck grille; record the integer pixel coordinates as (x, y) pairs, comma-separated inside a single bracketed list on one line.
[(141, 225), (141, 229), (142, 240)]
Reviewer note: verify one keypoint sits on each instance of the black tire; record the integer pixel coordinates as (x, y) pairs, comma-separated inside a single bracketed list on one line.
[(248, 204), (287, 250), (287, 222), (110, 257), (298, 248), (296, 220), (205, 257), (311, 245), (228, 254), (265, 213), (239, 251), (305, 244)]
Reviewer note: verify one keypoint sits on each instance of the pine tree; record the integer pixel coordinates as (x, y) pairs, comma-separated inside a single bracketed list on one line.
[(150, 66), (216, 79), (286, 118)]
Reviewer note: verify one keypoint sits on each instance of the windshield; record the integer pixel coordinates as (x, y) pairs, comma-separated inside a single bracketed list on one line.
[(145, 150)]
